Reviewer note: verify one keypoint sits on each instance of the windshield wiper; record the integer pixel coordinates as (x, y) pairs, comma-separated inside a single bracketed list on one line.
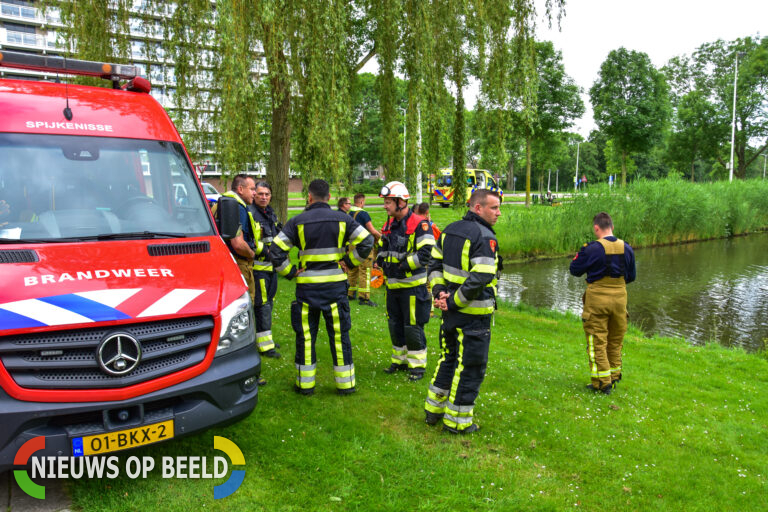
[(37, 240), (135, 235)]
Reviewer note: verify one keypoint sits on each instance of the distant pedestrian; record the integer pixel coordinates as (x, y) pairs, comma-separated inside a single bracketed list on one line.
[(610, 265)]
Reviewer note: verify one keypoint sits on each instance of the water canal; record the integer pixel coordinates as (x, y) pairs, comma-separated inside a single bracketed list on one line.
[(705, 291)]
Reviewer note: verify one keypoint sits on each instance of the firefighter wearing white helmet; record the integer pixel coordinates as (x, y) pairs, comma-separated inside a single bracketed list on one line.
[(404, 251)]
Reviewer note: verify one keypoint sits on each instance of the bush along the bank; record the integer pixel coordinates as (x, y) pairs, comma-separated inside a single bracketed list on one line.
[(645, 213)]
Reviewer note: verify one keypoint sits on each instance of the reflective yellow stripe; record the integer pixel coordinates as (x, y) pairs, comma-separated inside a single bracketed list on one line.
[(591, 352), (453, 278), (307, 334), (484, 269), (263, 285), (426, 241), (412, 261), (459, 365), (342, 231), (337, 333), (465, 255), (281, 244), (335, 278), (319, 257), (302, 242), (412, 308)]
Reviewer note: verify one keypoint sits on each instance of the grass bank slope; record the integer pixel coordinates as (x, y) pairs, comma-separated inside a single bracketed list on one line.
[(684, 431)]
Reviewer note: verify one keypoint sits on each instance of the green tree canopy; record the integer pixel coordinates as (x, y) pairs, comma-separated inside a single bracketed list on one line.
[(631, 104)]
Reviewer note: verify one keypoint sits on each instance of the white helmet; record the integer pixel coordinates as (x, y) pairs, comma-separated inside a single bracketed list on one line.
[(395, 189)]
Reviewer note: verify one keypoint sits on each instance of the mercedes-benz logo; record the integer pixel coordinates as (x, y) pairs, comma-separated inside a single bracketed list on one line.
[(119, 354)]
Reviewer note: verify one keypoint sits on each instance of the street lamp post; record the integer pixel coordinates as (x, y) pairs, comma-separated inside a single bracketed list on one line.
[(733, 121), (576, 178), (765, 157)]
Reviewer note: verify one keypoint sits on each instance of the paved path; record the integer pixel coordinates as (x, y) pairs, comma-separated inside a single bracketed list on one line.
[(13, 499)]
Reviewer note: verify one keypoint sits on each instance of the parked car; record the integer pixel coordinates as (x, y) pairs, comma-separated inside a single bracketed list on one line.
[(211, 193)]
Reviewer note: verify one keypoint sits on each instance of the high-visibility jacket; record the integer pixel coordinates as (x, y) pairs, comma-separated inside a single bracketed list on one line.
[(321, 235), (464, 264), (267, 227), (404, 251), (250, 231)]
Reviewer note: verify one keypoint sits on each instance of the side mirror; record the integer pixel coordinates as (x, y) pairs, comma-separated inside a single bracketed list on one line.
[(229, 217)]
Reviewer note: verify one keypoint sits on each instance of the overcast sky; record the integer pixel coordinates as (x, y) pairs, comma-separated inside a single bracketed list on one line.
[(663, 29), (660, 28)]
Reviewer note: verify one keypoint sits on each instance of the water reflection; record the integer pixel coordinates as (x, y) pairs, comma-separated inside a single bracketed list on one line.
[(716, 290)]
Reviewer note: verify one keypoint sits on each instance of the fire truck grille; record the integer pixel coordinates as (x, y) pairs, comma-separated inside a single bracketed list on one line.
[(70, 359)]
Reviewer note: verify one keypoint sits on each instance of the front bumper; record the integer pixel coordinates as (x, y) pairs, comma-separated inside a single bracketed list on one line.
[(217, 396)]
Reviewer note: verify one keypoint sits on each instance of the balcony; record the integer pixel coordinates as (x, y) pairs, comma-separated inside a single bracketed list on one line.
[(20, 12), (27, 41)]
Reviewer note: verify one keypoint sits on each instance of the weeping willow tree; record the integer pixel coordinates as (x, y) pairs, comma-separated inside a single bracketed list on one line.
[(276, 23), (319, 51), (387, 14), (96, 30), (236, 133), (186, 43), (416, 52)]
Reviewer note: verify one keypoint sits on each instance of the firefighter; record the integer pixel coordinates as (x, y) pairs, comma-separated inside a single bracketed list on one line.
[(360, 277), (264, 277), (463, 274), (321, 235), (404, 248), (243, 245), (609, 264)]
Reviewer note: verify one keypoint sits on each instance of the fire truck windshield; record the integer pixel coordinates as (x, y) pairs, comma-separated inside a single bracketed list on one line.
[(57, 188)]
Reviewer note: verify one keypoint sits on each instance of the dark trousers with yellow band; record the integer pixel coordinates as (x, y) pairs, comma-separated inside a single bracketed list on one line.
[(360, 278), (265, 284), (464, 343), (407, 313), (305, 320), (605, 323)]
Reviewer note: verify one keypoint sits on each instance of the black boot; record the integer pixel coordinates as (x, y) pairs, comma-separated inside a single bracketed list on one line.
[(394, 367)]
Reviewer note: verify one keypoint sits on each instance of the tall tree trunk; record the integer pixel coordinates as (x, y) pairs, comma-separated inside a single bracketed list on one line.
[(459, 162), (280, 139), (623, 167), (527, 172), (693, 170), (511, 175)]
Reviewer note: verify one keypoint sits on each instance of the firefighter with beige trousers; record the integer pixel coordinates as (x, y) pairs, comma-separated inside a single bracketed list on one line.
[(610, 265)]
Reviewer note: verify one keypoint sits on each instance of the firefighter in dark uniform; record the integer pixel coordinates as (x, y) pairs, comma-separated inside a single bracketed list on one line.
[(244, 247), (404, 249), (322, 236), (264, 277), (463, 275), (609, 264)]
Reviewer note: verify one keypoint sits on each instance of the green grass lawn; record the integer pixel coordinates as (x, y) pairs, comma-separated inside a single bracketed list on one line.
[(685, 430)]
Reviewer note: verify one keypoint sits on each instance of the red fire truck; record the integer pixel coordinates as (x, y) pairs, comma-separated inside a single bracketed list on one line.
[(124, 319)]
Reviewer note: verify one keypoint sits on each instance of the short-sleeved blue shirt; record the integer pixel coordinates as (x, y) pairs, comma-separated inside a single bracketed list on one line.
[(361, 218)]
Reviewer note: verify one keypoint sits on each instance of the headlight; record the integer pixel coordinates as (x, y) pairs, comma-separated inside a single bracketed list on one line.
[(237, 326)]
